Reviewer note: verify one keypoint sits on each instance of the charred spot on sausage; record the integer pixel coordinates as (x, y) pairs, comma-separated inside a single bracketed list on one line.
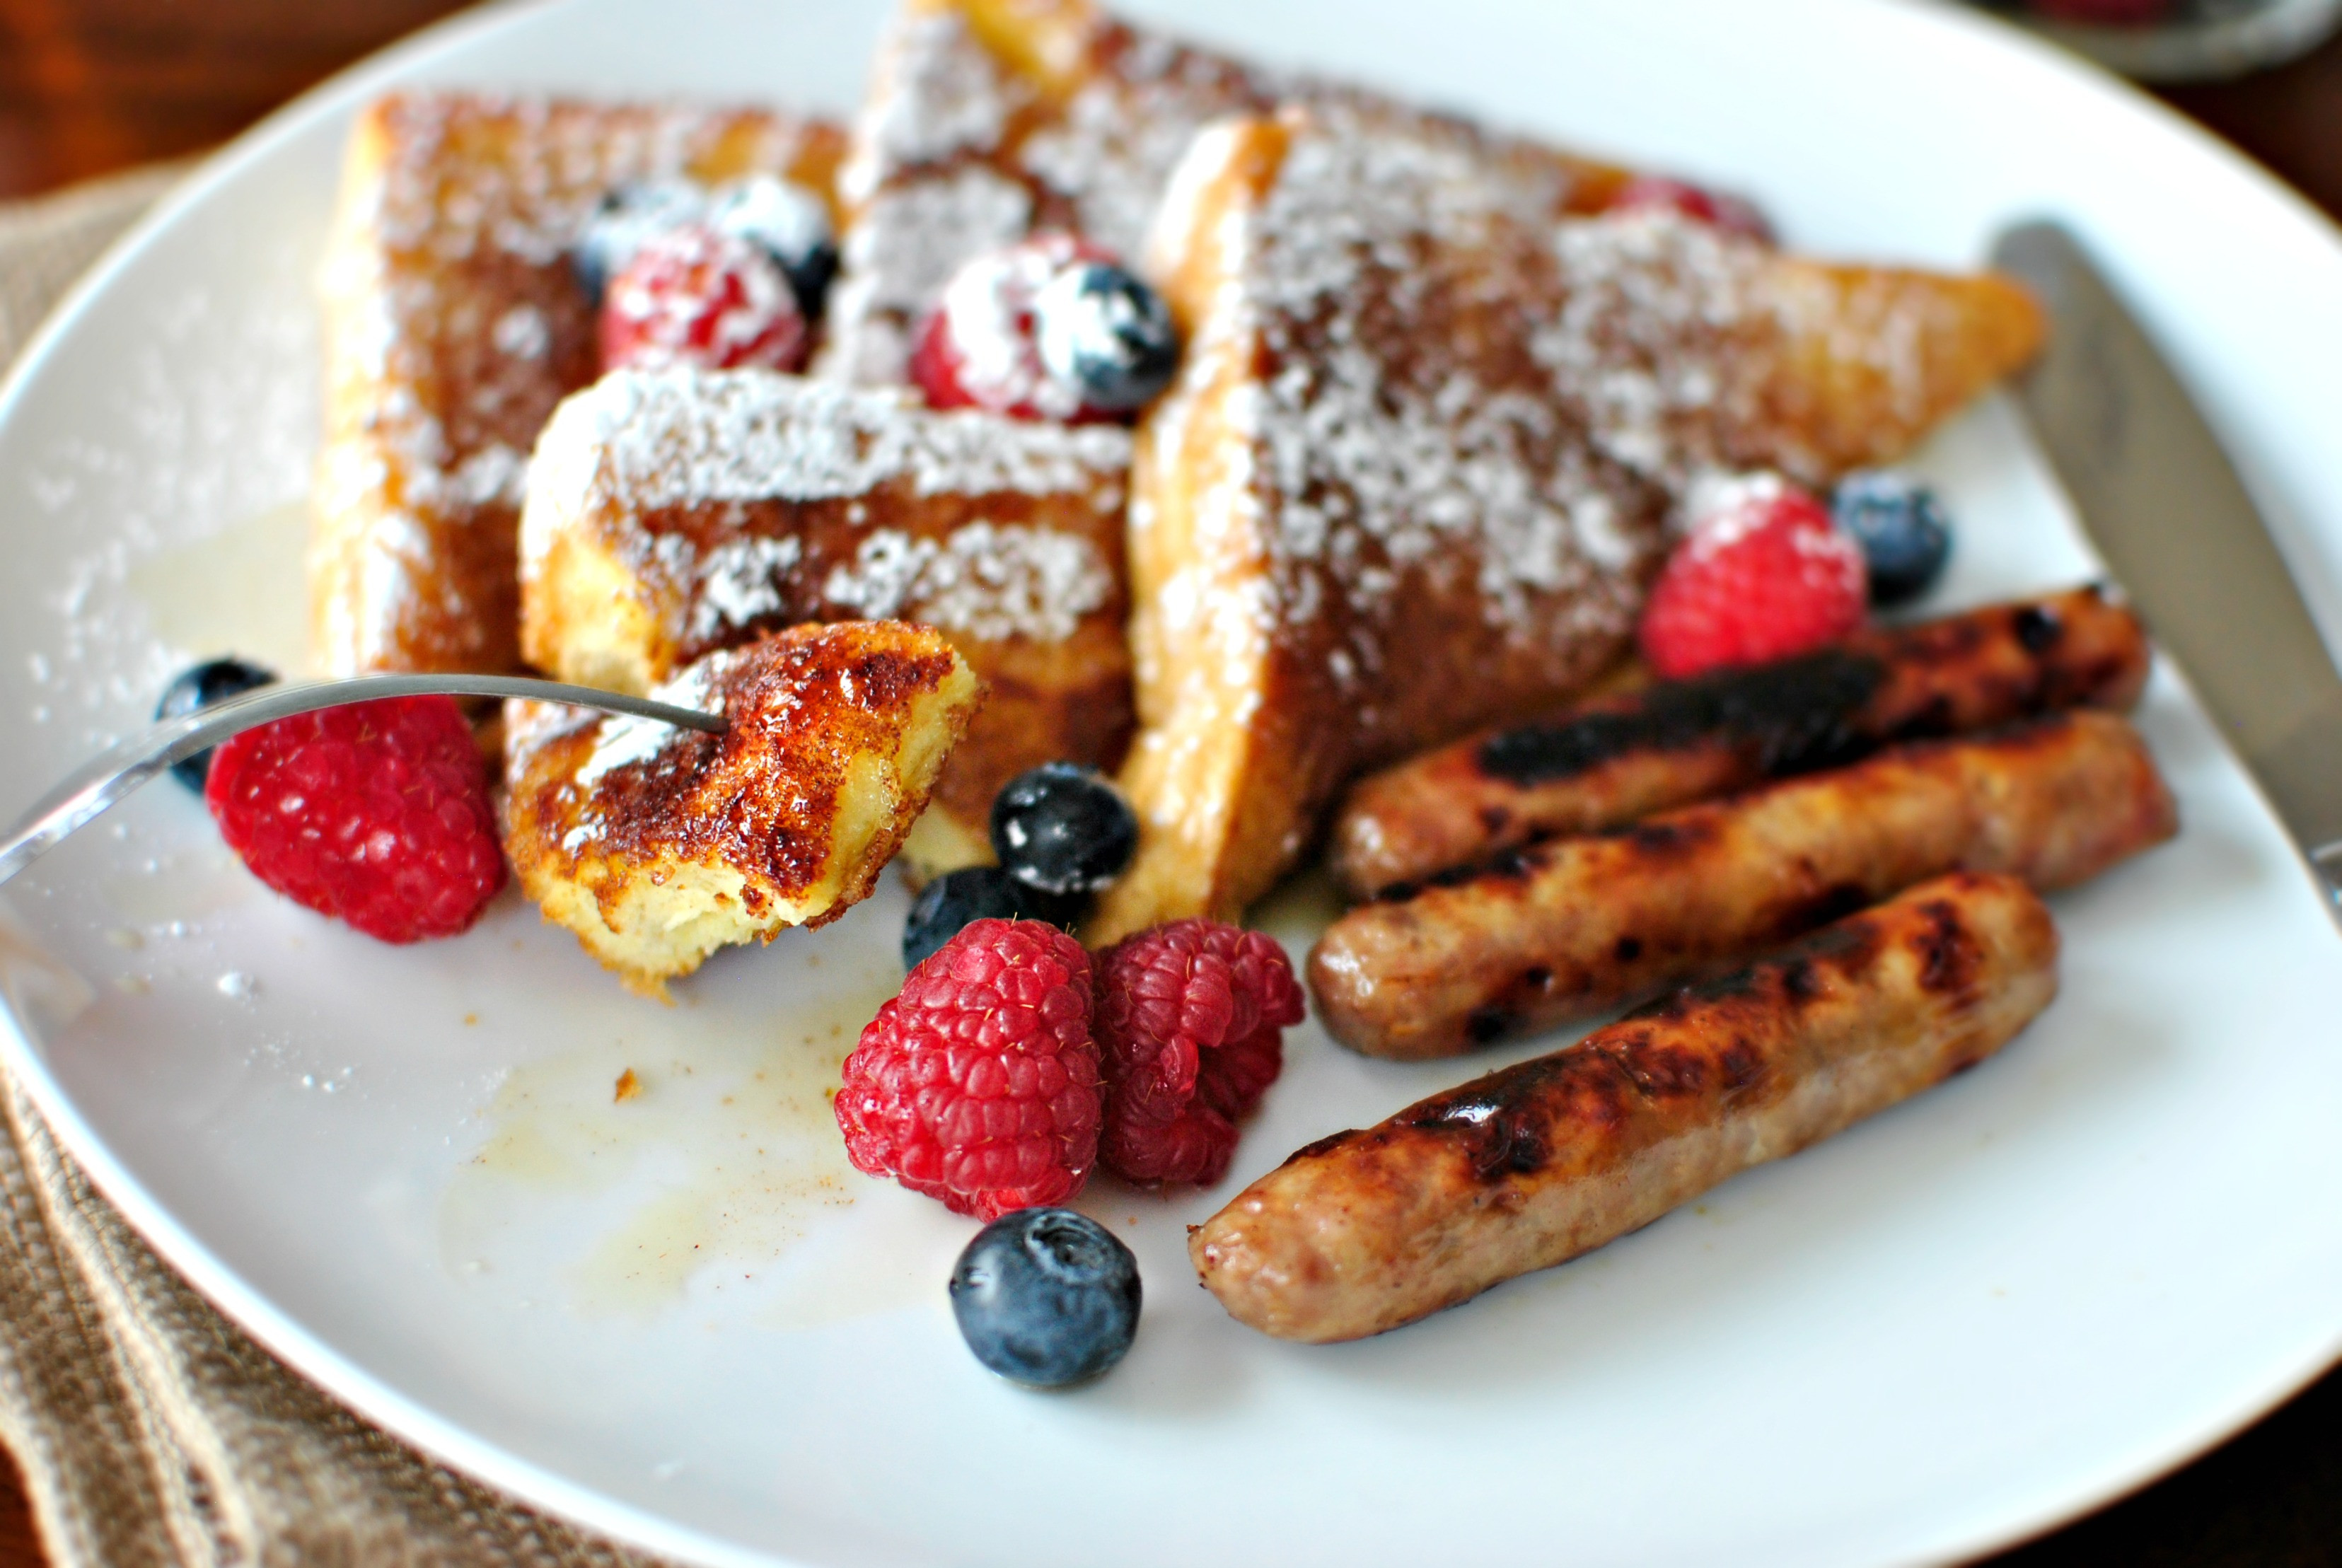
[(1488, 1023), (1834, 903), (1324, 1145), (2038, 630), (1664, 838), (1664, 1070), (1948, 955), (1789, 717), (1739, 1065)]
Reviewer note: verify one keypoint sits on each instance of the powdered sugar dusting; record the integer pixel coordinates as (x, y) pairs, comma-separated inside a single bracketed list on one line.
[(454, 328), (637, 441), (987, 582), (451, 186), (988, 309), (1111, 154), (204, 427), (898, 256), (1388, 456), (1654, 305), (942, 95), (1725, 505), (626, 740), (942, 174), (738, 581)]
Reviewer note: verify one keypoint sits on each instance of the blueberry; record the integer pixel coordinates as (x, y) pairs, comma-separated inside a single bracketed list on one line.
[(1063, 828), (1046, 1297), (192, 690), (1902, 529), (624, 219), (791, 223), (979, 893), (1104, 332)]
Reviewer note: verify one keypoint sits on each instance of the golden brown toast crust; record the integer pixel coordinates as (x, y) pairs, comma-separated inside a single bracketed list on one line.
[(453, 327), (834, 739), (1690, 349), (1413, 473), (1364, 517), (673, 514), (989, 120)]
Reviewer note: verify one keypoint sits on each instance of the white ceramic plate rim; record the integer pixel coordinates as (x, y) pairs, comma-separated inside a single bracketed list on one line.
[(226, 1289), (534, 1485)]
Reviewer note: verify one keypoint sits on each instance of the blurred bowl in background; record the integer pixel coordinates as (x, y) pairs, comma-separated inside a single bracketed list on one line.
[(2180, 40)]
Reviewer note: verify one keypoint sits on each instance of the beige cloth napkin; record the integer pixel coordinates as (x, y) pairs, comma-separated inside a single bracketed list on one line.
[(150, 1430)]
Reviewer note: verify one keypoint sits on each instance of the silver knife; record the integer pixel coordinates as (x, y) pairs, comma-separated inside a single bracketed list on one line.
[(2163, 503)]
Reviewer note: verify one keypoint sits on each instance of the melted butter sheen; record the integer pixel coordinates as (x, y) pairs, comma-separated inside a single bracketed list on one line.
[(242, 591), (723, 1176)]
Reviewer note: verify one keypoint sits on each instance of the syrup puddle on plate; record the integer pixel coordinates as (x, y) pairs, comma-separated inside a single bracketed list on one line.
[(723, 1172), (242, 591), (719, 1174), (40, 988)]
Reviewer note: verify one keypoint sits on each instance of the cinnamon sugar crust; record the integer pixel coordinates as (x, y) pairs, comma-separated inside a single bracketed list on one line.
[(676, 512), (657, 846), (453, 326)]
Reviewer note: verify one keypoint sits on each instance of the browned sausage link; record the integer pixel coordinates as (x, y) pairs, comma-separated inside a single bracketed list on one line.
[(1533, 1165), (1572, 926), (1617, 760)]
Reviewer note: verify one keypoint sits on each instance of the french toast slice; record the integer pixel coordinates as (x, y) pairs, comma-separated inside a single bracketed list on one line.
[(658, 845), (453, 325), (671, 512), (990, 120), (1415, 473)]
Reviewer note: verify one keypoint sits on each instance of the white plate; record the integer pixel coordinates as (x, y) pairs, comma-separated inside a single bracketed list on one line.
[(683, 1319)]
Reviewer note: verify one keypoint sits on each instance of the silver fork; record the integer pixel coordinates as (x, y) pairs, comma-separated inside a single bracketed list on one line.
[(90, 790)]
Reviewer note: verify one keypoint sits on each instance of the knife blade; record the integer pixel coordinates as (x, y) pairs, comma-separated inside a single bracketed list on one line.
[(2162, 502)]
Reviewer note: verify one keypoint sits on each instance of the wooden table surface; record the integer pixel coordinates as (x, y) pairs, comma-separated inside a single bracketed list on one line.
[(88, 87)]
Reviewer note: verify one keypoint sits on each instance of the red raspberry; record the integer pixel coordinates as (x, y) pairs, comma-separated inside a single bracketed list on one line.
[(1655, 193), (372, 813), (979, 1084), (980, 348), (1191, 1021), (1763, 575), (697, 296)]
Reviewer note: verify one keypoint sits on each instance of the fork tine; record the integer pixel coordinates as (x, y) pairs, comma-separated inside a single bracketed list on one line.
[(89, 791)]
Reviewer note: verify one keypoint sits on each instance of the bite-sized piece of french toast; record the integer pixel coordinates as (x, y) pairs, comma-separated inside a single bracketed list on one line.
[(657, 846), (1415, 473), (452, 325), (990, 120), (671, 512)]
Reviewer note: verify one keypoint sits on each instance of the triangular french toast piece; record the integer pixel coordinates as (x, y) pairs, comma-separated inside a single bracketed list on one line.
[(1414, 474), (452, 325), (657, 846), (672, 513), (1690, 349), (990, 120)]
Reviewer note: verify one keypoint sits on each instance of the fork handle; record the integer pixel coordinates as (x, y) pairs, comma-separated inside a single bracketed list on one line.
[(90, 790)]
